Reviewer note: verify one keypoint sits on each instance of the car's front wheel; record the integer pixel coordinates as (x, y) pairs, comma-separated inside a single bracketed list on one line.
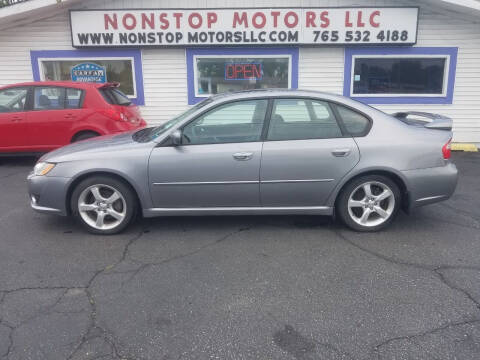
[(369, 203), (103, 205)]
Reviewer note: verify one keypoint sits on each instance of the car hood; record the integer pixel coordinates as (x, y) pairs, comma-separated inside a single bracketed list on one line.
[(101, 146)]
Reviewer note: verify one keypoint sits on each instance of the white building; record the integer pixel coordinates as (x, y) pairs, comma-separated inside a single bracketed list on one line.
[(395, 55)]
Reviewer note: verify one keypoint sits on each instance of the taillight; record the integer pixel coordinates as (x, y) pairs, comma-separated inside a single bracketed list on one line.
[(447, 150), (115, 115)]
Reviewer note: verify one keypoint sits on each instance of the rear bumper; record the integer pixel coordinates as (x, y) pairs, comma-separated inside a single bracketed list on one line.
[(431, 185), (48, 194)]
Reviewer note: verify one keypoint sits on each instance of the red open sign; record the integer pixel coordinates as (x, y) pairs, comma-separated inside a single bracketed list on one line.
[(243, 71)]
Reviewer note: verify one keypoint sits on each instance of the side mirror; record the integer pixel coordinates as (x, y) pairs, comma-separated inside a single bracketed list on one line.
[(176, 137)]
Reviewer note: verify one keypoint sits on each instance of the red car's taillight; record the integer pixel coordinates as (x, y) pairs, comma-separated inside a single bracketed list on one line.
[(115, 115), (447, 150)]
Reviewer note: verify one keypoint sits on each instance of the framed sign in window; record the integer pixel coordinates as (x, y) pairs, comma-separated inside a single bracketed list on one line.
[(124, 66), (400, 76), (218, 70)]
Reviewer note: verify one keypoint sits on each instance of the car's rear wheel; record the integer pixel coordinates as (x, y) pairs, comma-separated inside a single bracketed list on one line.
[(103, 205), (369, 203), (84, 135)]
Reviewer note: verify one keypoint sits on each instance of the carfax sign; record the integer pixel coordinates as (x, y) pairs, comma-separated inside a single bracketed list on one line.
[(89, 72), (256, 26)]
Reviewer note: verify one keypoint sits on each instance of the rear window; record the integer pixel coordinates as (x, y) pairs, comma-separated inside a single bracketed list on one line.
[(355, 123), (114, 96)]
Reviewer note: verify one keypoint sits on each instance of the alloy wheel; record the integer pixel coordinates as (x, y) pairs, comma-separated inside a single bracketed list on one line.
[(102, 207), (371, 204)]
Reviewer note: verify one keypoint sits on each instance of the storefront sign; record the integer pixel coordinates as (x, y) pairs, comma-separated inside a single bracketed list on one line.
[(89, 72), (247, 71), (272, 26)]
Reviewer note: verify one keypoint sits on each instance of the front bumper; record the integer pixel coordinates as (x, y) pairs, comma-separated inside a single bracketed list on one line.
[(48, 194), (431, 185)]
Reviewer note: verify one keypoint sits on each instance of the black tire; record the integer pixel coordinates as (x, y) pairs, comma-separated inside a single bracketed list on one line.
[(126, 205), (84, 136), (351, 217)]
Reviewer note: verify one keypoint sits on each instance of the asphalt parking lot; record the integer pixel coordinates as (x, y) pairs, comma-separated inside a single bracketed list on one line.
[(278, 287)]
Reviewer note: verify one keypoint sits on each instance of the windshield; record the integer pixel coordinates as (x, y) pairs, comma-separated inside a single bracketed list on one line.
[(164, 127)]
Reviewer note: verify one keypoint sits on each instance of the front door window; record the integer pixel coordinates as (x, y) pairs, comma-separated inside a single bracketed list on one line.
[(236, 122), (13, 99)]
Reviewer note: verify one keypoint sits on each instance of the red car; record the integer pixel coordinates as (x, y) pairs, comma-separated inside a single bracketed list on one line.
[(42, 116)]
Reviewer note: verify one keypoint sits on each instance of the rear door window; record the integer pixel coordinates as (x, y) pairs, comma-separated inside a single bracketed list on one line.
[(302, 119), (74, 98), (49, 98)]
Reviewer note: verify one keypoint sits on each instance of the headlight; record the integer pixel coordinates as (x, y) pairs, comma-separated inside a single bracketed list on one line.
[(42, 168)]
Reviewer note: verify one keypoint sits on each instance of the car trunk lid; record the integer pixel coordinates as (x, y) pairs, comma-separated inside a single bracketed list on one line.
[(435, 122), (425, 119)]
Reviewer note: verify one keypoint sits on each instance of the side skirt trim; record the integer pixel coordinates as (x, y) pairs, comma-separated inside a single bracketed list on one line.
[(300, 210), (430, 198), (243, 182)]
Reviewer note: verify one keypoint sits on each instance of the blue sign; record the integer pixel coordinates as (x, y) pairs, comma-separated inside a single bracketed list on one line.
[(89, 72)]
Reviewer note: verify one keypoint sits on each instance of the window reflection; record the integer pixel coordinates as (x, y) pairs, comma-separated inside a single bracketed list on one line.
[(117, 71), (399, 75), (219, 75)]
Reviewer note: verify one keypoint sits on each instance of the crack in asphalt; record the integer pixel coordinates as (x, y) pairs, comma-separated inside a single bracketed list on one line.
[(96, 331), (145, 265), (10, 338), (377, 347), (49, 309), (437, 270), (442, 277), (432, 268), (93, 307), (102, 333)]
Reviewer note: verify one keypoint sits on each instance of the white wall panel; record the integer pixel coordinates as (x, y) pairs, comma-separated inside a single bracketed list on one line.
[(319, 68)]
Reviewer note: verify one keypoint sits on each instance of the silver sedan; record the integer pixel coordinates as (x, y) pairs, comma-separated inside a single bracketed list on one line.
[(256, 152)]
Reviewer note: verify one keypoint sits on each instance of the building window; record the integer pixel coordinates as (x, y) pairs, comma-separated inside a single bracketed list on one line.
[(214, 75), (395, 75), (124, 67), (400, 75), (214, 71), (118, 70)]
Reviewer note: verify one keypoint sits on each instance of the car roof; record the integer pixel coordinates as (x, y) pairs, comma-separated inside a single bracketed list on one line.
[(73, 84), (290, 93), (245, 94)]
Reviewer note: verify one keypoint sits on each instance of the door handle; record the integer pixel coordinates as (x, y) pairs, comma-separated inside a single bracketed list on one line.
[(242, 156), (16, 118), (69, 116), (341, 152)]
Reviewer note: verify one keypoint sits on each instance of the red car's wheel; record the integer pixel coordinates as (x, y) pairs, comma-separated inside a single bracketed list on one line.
[(84, 136)]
